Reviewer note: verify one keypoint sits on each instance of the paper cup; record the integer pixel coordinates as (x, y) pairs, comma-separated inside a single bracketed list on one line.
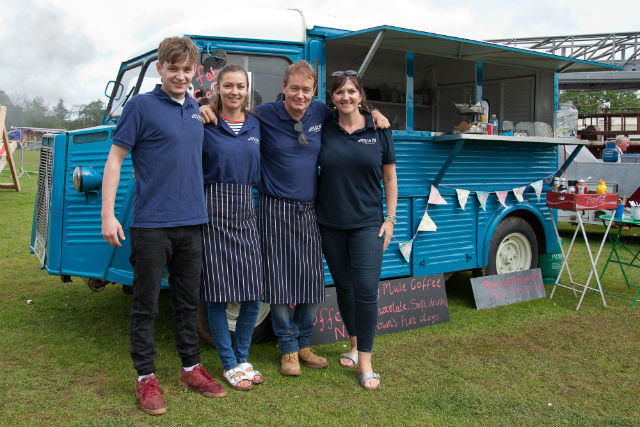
[(619, 212), (635, 212)]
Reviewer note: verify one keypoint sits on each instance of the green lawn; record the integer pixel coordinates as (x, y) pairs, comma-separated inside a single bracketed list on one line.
[(65, 358)]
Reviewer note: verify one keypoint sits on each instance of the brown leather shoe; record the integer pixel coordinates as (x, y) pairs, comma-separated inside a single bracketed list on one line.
[(199, 380), (149, 394), (310, 359), (289, 365)]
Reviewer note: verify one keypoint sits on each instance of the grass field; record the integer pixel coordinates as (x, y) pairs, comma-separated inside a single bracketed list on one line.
[(65, 360)]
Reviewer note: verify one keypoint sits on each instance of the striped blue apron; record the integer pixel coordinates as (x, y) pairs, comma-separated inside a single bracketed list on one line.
[(232, 266), (291, 251)]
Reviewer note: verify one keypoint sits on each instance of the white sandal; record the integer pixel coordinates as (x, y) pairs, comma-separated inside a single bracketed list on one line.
[(233, 381), (252, 374)]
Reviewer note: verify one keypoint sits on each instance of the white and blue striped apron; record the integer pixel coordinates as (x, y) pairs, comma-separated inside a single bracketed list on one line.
[(291, 251), (232, 270)]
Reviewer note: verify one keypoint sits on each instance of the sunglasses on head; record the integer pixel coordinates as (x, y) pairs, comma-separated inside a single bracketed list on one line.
[(302, 138), (345, 73)]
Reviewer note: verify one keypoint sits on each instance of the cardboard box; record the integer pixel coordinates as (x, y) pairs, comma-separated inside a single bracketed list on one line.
[(579, 202)]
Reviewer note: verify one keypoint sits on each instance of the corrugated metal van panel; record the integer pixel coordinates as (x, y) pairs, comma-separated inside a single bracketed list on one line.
[(85, 253), (452, 246), (479, 165)]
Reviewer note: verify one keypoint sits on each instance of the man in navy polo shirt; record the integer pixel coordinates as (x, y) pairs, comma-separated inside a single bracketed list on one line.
[(163, 131)]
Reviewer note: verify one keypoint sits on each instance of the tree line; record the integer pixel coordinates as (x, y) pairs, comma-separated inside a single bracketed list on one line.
[(34, 112), (593, 101)]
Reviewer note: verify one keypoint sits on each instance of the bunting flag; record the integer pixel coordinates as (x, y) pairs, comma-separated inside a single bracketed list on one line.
[(482, 198), (502, 196), (427, 224), (405, 248), (463, 195), (518, 192), (537, 186), (435, 198)]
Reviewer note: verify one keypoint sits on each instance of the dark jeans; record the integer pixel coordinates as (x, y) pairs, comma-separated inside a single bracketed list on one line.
[(179, 249), (354, 258)]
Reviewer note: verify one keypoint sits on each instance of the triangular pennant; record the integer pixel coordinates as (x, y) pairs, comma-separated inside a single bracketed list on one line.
[(435, 198), (537, 186), (427, 224), (405, 248), (482, 198), (463, 195), (502, 196), (518, 192)]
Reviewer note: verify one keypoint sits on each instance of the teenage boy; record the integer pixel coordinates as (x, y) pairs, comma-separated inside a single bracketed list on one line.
[(163, 131)]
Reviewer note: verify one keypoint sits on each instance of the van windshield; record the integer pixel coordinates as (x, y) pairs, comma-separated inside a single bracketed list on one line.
[(265, 75)]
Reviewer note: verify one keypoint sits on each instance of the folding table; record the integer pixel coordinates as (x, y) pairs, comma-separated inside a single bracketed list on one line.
[(579, 203)]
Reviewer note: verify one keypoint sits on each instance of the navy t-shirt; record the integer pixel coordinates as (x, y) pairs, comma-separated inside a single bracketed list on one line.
[(231, 158), (349, 189), (165, 139), (288, 168)]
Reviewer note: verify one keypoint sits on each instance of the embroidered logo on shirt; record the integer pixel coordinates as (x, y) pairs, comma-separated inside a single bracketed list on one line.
[(254, 140), (367, 140), (197, 117), (314, 129)]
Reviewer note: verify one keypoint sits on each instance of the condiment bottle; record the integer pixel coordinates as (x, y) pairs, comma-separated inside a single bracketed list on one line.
[(556, 184), (564, 187), (602, 188), (581, 186)]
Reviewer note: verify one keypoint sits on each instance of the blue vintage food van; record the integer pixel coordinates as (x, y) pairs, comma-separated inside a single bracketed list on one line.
[(415, 78)]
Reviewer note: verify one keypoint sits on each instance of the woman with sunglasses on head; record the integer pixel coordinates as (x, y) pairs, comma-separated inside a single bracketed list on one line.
[(354, 159), (231, 246)]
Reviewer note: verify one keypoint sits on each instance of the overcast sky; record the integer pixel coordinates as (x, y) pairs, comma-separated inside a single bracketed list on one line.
[(70, 48)]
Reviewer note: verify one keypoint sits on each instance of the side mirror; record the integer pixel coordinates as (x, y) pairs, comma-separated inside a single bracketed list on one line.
[(109, 90), (215, 60)]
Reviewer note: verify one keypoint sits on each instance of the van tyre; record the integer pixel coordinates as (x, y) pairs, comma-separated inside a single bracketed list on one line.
[(513, 247), (261, 332)]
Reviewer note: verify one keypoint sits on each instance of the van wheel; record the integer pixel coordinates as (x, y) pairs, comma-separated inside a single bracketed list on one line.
[(513, 247), (261, 331)]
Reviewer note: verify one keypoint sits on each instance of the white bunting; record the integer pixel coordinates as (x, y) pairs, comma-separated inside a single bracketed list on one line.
[(427, 224), (518, 192), (463, 195), (537, 186), (405, 248)]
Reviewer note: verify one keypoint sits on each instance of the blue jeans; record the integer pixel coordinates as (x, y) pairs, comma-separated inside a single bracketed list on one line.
[(246, 322), (293, 332), (354, 258)]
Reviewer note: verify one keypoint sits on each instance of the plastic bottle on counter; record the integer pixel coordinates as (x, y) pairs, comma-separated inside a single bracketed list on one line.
[(494, 124), (564, 186), (556, 184), (601, 188)]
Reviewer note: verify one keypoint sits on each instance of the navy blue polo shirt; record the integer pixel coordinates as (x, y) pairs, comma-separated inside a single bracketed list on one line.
[(165, 139), (349, 189), (288, 168), (231, 158)]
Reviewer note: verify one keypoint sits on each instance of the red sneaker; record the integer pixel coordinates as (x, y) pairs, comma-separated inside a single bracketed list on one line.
[(199, 380), (149, 394)]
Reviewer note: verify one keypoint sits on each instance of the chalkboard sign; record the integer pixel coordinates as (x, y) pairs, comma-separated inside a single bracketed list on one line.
[(403, 304), (507, 288)]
